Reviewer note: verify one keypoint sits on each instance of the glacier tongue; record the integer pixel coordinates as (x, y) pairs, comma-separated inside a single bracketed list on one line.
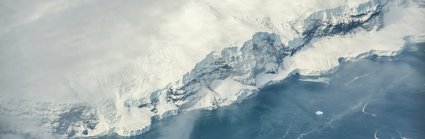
[(223, 77)]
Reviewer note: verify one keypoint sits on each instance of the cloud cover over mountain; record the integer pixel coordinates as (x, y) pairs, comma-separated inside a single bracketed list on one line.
[(108, 67)]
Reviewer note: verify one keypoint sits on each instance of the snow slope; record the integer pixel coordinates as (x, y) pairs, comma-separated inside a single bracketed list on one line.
[(173, 75)]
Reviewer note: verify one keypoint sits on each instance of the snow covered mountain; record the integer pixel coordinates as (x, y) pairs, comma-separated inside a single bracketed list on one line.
[(311, 44)]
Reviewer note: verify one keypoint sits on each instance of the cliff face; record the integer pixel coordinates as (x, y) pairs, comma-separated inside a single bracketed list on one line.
[(265, 52)]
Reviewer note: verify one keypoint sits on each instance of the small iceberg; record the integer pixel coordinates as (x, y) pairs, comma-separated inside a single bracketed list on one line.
[(319, 113)]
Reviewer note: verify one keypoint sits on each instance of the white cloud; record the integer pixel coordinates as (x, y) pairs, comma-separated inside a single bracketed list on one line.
[(71, 50)]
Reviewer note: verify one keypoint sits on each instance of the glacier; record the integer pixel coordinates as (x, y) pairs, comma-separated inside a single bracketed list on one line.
[(311, 45)]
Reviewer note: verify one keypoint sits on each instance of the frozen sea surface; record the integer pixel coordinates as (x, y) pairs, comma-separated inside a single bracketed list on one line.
[(379, 97)]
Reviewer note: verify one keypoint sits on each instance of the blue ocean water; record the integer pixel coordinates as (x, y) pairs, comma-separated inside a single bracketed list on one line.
[(380, 97)]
